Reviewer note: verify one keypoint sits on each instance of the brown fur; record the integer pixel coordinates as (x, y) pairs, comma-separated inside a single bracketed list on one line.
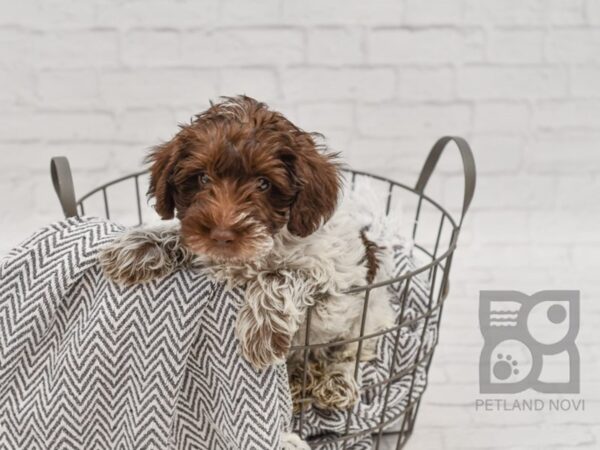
[(235, 145), (372, 251)]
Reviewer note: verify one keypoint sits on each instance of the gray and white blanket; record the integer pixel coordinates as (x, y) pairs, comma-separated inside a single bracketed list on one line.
[(88, 364)]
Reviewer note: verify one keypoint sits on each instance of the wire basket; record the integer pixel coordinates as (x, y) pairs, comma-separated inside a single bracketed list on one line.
[(434, 233)]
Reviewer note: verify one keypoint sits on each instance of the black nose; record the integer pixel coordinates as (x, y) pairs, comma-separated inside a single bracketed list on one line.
[(222, 236)]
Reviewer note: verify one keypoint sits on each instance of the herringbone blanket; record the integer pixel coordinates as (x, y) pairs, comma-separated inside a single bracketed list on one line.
[(86, 364)]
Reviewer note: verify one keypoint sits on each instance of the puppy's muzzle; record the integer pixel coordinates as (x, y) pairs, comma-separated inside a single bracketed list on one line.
[(222, 237)]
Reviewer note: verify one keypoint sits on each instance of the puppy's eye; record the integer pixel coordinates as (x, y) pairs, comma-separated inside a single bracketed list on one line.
[(203, 179), (263, 184)]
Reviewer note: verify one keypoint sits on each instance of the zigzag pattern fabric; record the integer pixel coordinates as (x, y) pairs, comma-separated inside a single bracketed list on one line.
[(403, 362), (86, 364)]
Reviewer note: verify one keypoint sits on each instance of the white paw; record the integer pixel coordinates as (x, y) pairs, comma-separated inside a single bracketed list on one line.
[(291, 441), (143, 254)]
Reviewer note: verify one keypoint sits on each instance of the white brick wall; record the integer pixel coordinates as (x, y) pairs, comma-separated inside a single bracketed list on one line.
[(100, 81)]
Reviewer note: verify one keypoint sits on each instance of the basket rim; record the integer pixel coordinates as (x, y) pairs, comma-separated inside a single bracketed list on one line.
[(392, 183)]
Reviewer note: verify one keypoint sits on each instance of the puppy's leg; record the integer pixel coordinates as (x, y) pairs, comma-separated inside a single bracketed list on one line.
[(380, 316), (338, 388), (264, 334), (274, 307), (145, 253)]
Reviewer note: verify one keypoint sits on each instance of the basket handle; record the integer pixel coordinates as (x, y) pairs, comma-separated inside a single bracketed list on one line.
[(63, 185), (468, 166)]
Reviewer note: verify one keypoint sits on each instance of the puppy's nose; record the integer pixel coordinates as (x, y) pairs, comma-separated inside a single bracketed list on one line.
[(222, 236)]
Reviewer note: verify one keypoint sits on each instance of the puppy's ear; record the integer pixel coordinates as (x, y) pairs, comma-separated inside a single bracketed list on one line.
[(163, 159), (317, 175)]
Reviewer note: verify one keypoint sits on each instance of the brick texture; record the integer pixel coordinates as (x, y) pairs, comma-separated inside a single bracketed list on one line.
[(101, 81)]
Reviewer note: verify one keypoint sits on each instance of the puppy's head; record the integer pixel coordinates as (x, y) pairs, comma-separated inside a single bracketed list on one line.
[(237, 175)]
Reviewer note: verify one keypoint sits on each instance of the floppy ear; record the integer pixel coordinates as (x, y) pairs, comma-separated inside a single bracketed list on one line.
[(163, 158), (319, 186)]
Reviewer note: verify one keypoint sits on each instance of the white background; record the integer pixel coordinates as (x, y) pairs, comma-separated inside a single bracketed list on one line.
[(101, 81)]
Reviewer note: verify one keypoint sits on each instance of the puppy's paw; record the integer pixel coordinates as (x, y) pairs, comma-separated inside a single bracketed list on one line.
[(297, 377), (142, 254), (336, 391), (291, 441), (265, 340), (263, 349)]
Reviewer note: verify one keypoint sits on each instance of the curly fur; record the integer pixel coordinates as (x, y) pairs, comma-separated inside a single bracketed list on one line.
[(210, 175), (145, 253)]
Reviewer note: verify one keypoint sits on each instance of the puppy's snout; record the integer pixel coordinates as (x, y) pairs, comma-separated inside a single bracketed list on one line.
[(222, 236)]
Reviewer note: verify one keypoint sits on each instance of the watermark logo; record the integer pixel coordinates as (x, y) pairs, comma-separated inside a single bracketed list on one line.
[(529, 342)]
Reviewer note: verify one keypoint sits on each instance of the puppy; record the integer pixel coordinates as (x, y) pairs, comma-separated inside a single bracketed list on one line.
[(253, 194)]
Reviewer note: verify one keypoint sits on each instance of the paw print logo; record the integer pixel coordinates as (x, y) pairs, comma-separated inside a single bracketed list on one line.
[(521, 334), (505, 367)]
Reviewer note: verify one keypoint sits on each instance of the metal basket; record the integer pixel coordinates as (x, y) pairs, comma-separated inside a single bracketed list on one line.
[(435, 251)]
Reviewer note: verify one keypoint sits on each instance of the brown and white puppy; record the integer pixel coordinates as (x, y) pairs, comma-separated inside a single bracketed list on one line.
[(252, 193)]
